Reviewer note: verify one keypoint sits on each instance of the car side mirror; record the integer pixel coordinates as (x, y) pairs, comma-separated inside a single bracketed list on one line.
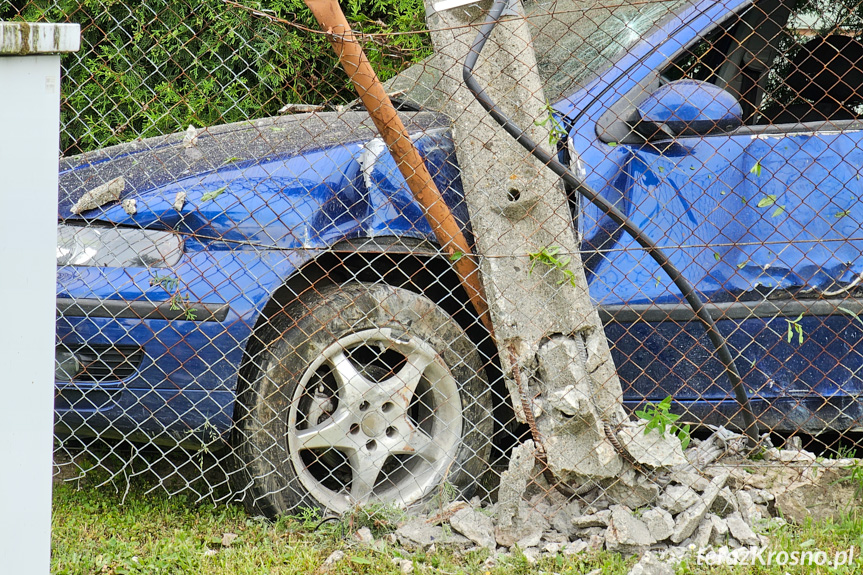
[(688, 108)]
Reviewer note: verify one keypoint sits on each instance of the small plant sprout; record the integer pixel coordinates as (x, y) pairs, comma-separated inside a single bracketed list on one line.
[(181, 302), (855, 477), (548, 257), (167, 283), (794, 326), (556, 130), (659, 417)]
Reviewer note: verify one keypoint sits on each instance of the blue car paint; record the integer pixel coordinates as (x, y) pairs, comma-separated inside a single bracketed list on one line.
[(265, 221), (692, 107), (698, 197), (268, 217)]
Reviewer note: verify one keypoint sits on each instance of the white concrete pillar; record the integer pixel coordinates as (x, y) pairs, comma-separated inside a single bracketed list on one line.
[(29, 150)]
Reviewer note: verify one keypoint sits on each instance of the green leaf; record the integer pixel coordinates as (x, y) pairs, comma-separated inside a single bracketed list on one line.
[(456, 256), (214, 194), (661, 169), (767, 201), (716, 256), (612, 144), (842, 214), (849, 312), (778, 211), (684, 436), (756, 169), (361, 560), (742, 264)]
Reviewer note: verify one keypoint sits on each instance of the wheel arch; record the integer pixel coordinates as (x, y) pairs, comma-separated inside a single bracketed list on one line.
[(413, 264)]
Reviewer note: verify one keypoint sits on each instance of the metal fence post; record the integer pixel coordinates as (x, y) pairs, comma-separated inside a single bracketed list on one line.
[(29, 144)]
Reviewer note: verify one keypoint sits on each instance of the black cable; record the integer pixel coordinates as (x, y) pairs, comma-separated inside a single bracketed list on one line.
[(616, 215)]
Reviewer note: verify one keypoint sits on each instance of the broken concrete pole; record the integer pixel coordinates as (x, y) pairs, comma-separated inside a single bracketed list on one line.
[(557, 364)]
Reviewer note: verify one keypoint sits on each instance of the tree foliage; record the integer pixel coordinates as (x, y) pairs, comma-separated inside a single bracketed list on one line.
[(154, 67)]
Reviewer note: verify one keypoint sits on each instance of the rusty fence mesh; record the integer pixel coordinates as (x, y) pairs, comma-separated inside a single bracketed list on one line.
[(252, 304)]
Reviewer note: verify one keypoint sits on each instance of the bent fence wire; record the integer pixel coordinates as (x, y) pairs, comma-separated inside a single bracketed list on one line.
[(251, 305)]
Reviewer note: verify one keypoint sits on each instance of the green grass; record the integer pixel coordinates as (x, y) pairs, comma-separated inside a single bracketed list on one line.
[(98, 531)]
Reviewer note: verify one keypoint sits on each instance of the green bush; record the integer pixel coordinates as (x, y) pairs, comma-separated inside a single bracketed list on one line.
[(154, 67)]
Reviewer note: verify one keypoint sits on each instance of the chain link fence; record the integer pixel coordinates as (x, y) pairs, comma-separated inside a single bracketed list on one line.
[(252, 305)]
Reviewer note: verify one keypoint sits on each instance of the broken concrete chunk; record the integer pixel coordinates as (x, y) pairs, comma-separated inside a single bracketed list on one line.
[(626, 533), (725, 502), (334, 558), (659, 522), (689, 478), (100, 195), (364, 535), (740, 530), (690, 519), (570, 400), (524, 528), (760, 496), (190, 138), (701, 539), (514, 480), (179, 201), (576, 547), (532, 554), (599, 519), (651, 449), (676, 498), (562, 520), (826, 497), (720, 529), (476, 526), (130, 206), (649, 564), (418, 534), (633, 490), (747, 508)]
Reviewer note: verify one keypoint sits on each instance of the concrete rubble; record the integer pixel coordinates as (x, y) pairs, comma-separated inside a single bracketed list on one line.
[(731, 503), (100, 195)]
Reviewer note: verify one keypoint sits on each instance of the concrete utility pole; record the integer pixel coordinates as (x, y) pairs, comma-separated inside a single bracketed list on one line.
[(557, 364)]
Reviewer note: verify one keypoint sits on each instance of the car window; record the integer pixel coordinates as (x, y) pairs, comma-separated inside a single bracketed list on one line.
[(787, 62)]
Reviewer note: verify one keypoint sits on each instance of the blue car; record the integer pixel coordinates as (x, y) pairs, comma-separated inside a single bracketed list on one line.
[(271, 288)]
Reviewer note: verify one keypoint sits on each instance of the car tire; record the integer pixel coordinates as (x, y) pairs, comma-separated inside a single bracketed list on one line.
[(363, 393)]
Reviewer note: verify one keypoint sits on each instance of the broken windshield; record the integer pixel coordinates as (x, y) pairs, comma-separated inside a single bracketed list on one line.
[(574, 42)]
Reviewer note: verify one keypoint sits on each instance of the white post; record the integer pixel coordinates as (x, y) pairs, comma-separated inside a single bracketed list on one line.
[(29, 144)]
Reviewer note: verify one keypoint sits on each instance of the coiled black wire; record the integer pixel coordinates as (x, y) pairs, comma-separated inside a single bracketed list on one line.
[(562, 171)]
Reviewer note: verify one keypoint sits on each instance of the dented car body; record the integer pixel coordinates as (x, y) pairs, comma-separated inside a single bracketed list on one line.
[(762, 217)]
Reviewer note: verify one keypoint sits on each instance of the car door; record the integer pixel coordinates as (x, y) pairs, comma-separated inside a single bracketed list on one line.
[(764, 220)]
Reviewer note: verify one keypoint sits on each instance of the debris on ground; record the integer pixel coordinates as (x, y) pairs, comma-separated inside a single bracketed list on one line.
[(712, 499)]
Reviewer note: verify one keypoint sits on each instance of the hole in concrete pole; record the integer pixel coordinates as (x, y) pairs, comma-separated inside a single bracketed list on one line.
[(513, 194)]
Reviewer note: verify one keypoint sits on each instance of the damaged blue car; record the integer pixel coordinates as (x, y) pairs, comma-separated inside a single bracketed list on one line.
[(270, 286)]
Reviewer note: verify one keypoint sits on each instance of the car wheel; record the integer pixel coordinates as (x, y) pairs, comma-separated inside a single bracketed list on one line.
[(364, 393)]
